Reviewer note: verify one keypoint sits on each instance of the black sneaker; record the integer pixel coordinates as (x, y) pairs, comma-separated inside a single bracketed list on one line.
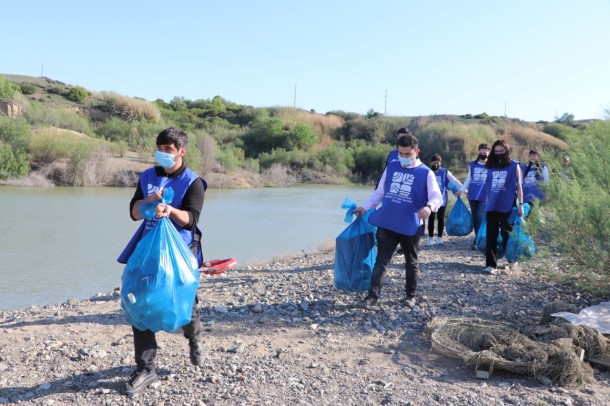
[(368, 303), (138, 381), (197, 353)]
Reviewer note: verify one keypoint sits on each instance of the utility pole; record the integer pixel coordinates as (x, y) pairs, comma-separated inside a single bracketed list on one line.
[(505, 109), (385, 106), (42, 70), (294, 104)]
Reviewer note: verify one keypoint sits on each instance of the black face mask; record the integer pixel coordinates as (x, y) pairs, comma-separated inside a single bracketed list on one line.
[(482, 157), (501, 159), (435, 167)]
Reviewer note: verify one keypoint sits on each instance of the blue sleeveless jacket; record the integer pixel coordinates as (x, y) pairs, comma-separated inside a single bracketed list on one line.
[(502, 186), (531, 185), (150, 182), (477, 189), (406, 191), (443, 182)]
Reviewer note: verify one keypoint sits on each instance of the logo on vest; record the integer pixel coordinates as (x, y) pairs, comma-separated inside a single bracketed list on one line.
[(479, 175), (498, 180), (150, 189), (401, 185)]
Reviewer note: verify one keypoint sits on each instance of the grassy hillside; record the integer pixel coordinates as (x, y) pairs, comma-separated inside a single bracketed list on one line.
[(235, 145)]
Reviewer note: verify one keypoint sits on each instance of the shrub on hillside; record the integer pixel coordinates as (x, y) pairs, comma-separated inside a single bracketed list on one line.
[(77, 94), (131, 109), (14, 147), (576, 215), (27, 88), (7, 89), (561, 131), (40, 116)]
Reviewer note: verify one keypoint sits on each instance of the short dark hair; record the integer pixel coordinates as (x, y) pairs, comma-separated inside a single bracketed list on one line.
[(173, 135), (436, 157), (484, 146), (403, 130), (407, 140), (492, 161), (534, 151)]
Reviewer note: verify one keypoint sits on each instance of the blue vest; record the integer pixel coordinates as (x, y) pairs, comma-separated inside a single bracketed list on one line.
[(406, 191), (531, 185), (477, 189), (502, 186), (443, 182), (150, 182)]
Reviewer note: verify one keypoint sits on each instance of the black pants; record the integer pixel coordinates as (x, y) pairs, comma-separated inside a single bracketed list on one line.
[(496, 222), (145, 342), (440, 215), (387, 241)]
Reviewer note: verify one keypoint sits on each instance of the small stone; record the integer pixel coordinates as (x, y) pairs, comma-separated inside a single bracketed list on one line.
[(258, 308)]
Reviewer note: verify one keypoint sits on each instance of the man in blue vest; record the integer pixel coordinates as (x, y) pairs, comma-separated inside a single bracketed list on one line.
[(184, 211), (408, 192)]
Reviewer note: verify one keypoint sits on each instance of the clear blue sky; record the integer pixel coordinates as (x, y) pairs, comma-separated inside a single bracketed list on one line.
[(533, 59)]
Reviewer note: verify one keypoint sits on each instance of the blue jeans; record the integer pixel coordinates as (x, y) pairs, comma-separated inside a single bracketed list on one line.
[(477, 208)]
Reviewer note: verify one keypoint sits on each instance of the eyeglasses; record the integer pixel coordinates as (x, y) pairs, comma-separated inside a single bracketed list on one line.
[(499, 152)]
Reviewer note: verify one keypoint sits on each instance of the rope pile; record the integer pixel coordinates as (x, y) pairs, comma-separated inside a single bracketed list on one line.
[(549, 351)]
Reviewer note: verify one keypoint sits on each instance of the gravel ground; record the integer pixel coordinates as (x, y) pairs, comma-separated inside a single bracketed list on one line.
[(279, 333)]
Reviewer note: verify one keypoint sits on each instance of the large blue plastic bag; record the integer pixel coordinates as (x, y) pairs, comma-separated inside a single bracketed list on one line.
[(459, 221), (482, 240), (520, 246), (355, 256), (513, 214), (160, 281)]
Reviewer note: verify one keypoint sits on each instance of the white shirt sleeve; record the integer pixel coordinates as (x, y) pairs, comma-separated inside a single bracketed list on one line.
[(466, 182), (545, 174), (454, 181), (435, 198)]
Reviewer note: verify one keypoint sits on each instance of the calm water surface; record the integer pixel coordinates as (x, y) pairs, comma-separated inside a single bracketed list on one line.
[(60, 243)]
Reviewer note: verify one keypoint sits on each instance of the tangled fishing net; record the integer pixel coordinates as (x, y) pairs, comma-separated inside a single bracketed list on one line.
[(550, 351)]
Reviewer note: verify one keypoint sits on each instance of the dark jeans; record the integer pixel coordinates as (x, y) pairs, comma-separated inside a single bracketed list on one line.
[(145, 342), (477, 208), (387, 241), (496, 222), (440, 214)]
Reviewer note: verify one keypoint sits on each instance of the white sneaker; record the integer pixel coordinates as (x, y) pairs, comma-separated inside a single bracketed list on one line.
[(513, 266), (489, 270), (430, 241), (439, 241)]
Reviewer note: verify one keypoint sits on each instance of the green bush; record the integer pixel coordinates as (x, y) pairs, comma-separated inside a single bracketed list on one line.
[(40, 116), (577, 215), (7, 89), (27, 88), (77, 94), (14, 147), (561, 131)]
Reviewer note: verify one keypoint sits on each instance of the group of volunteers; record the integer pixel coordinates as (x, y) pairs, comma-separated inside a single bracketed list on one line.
[(411, 193)]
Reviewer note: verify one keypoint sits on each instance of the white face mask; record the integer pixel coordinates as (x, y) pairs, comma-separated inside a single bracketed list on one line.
[(405, 161)]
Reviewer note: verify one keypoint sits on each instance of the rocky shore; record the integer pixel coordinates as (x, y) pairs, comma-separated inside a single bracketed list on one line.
[(279, 333)]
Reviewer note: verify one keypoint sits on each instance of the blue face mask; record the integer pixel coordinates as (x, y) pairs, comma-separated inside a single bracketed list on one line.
[(405, 161), (164, 159)]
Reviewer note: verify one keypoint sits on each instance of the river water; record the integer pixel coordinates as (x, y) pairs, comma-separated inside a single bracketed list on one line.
[(59, 243)]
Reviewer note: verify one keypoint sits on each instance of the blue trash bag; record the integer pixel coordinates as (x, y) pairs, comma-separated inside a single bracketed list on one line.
[(350, 205), (160, 281), (513, 214), (355, 256), (482, 240), (459, 221), (520, 246)]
